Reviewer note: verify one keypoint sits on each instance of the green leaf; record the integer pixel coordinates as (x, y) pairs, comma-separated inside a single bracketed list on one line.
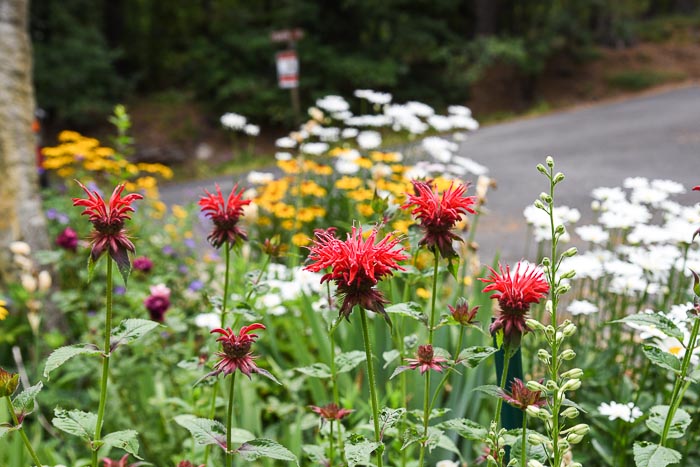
[(316, 454), (205, 431), (91, 267), (257, 448), (349, 360), (121, 257), (358, 450), (62, 354), (316, 370), (24, 401), (389, 356), (417, 414), (657, 419), (453, 268), (389, 417), (4, 429), (131, 329), (662, 358), (472, 356), (654, 320), (410, 309), (464, 428), (75, 422), (490, 389), (125, 439), (648, 454)]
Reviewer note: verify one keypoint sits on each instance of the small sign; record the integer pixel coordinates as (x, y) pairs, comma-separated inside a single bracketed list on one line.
[(287, 69), (287, 35)]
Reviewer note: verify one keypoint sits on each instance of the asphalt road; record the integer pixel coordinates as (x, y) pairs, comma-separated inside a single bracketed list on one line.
[(655, 135)]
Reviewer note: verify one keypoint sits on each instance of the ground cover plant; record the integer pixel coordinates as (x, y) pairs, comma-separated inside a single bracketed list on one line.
[(338, 312)]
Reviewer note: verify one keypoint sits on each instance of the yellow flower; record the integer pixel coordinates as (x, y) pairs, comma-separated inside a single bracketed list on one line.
[(323, 170), (306, 215), (289, 167), (423, 293), (363, 194), (284, 211), (171, 229), (363, 162), (300, 239), (179, 212), (3, 310), (159, 210), (348, 183), (365, 209), (67, 136), (318, 211), (401, 226), (311, 188), (288, 225)]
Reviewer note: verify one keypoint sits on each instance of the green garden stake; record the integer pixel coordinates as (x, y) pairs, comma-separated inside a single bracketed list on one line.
[(511, 418)]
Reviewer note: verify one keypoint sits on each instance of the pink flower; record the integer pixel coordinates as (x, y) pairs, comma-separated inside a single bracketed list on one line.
[(236, 353), (158, 302), (521, 397), (224, 215), (108, 222), (426, 360), (439, 214), (67, 239), (120, 463), (357, 265), (331, 412), (463, 314), (143, 263), (516, 291)]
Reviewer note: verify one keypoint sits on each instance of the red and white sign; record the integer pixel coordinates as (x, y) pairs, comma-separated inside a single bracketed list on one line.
[(287, 35), (287, 69)]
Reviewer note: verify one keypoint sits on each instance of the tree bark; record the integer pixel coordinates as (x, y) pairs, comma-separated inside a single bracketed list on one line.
[(21, 215)]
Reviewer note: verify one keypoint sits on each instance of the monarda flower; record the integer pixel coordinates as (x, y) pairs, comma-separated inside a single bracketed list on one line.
[(439, 214), (143, 264), (426, 360), (516, 291), (187, 464), (462, 314), (357, 265), (521, 397), (331, 412), (68, 239), (236, 353), (108, 222), (158, 302), (225, 216), (120, 463)]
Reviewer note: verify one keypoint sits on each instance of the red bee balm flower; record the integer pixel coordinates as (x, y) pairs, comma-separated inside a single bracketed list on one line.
[(108, 222), (517, 290), (426, 360), (439, 214), (237, 354), (521, 397), (357, 265), (331, 412), (225, 216)]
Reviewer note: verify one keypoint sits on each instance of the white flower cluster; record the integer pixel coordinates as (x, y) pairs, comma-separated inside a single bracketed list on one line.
[(625, 412), (237, 122)]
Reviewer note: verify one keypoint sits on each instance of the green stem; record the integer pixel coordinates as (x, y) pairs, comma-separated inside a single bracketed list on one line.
[(372, 384), (332, 448), (224, 304), (523, 442), (433, 297), (259, 278), (105, 363), (677, 395), (444, 379), (334, 376), (27, 443), (504, 379), (229, 421)]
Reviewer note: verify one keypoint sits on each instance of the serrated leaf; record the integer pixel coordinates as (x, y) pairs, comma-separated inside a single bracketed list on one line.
[(257, 448), (410, 309), (24, 401), (62, 354), (131, 329), (316, 370), (398, 370), (661, 358), (121, 257), (75, 422), (537, 453), (657, 419), (433, 440), (654, 320), (446, 443), (348, 361), (358, 450), (125, 439), (316, 454), (417, 414), (453, 268), (490, 389), (388, 418), (205, 431), (648, 454), (472, 356), (464, 428)]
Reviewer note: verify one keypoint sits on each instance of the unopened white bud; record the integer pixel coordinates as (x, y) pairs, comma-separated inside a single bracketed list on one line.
[(535, 386), (559, 177), (570, 412), (573, 373), (569, 274), (534, 463), (552, 385), (534, 324), (573, 438), (568, 354), (544, 356), (538, 204), (570, 252), (580, 429), (571, 385), (569, 330), (549, 161), (532, 411)]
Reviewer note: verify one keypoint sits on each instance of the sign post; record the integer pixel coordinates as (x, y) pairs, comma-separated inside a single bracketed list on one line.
[(287, 63)]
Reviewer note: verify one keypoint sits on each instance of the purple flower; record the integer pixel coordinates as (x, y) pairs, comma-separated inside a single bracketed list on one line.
[(158, 302), (190, 243), (183, 269), (168, 250), (196, 285), (143, 263), (67, 239), (119, 290)]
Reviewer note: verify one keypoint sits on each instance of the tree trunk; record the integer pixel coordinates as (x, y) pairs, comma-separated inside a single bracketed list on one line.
[(21, 215)]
